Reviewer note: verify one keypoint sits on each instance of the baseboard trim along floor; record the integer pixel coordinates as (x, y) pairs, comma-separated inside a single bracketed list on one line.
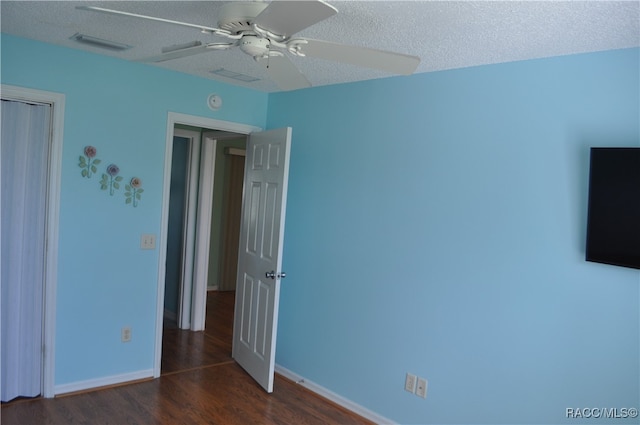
[(330, 395), (106, 381)]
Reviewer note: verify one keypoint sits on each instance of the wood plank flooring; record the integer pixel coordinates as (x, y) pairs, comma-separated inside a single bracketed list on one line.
[(182, 350), (200, 384)]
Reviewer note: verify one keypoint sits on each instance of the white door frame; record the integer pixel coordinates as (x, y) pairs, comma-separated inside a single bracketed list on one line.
[(174, 118), (203, 232), (57, 101), (188, 227), (196, 227)]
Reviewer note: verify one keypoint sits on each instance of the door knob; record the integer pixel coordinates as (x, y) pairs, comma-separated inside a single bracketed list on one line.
[(270, 275), (282, 275)]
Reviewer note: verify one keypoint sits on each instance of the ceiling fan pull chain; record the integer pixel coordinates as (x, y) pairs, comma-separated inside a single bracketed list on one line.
[(268, 53)]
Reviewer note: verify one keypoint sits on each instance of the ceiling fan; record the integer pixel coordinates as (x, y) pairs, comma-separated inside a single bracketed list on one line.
[(265, 32)]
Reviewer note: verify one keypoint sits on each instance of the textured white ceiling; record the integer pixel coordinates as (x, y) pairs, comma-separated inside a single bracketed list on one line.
[(444, 34)]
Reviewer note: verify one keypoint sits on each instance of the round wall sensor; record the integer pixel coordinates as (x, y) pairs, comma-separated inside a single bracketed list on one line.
[(214, 101)]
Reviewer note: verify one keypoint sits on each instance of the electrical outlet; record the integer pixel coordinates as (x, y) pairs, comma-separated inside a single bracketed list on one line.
[(410, 383), (125, 334), (421, 388)]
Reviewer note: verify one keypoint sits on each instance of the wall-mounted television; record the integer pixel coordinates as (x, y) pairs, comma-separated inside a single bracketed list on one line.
[(613, 220)]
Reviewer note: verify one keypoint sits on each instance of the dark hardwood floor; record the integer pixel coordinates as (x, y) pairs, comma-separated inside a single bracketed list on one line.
[(199, 384), (183, 350)]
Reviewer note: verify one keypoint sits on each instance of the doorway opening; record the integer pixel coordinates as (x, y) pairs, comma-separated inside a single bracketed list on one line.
[(261, 242), (205, 205), (176, 119)]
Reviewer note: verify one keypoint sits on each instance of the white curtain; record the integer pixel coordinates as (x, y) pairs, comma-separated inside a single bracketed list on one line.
[(23, 188)]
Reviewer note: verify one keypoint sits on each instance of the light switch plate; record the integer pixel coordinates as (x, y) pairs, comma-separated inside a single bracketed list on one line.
[(148, 241), (410, 383)]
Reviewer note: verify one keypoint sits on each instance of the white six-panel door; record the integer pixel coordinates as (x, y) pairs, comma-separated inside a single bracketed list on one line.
[(260, 253)]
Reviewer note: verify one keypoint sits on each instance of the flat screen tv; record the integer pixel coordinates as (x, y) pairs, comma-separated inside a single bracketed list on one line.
[(613, 220)]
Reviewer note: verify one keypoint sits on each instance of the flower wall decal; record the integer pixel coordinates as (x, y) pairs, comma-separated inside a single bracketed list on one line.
[(133, 190), (111, 180), (88, 162)]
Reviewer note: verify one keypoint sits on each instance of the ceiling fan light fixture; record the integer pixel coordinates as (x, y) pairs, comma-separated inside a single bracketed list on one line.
[(99, 42), (235, 75), (255, 46)]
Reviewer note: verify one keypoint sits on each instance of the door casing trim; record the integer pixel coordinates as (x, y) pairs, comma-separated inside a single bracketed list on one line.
[(174, 118)]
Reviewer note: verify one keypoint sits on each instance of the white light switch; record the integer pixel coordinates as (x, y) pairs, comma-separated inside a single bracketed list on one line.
[(148, 241)]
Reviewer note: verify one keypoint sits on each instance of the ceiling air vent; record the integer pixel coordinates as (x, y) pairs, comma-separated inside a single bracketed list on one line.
[(235, 75), (99, 42)]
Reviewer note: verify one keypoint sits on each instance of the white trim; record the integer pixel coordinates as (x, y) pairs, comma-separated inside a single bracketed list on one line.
[(235, 151), (330, 395), (174, 118), (189, 226), (210, 123), (91, 384), (57, 102), (203, 232)]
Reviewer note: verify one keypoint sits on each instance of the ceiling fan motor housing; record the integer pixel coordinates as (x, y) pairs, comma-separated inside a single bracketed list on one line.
[(255, 46), (237, 17)]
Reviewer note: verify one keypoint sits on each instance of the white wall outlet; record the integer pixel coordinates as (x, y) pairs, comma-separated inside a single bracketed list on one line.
[(148, 241), (125, 334), (410, 383), (421, 388)]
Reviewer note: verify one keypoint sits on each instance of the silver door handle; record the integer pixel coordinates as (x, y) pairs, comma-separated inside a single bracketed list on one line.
[(272, 275)]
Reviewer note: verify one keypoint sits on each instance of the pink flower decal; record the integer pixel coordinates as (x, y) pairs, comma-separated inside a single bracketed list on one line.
[(89, 163), (90, 151), (133, 190)]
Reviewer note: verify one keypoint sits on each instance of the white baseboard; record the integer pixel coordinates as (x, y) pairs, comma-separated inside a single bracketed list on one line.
[(330, 395), (102, 382)]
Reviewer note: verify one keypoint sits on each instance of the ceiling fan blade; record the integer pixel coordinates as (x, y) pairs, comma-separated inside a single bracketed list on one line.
[(202, 28), (395, 63), (286, 18), (283, 72), (189, 51)]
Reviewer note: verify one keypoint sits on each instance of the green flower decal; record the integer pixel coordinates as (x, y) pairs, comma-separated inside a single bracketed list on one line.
[(111, 180), (133, 190), (88, 162)]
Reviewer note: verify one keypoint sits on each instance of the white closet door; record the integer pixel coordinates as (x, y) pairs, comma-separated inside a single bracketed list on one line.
[(24, 157)]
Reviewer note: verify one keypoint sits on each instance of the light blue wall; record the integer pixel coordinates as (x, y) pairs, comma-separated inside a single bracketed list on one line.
[(436, 225), (105, 281)]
